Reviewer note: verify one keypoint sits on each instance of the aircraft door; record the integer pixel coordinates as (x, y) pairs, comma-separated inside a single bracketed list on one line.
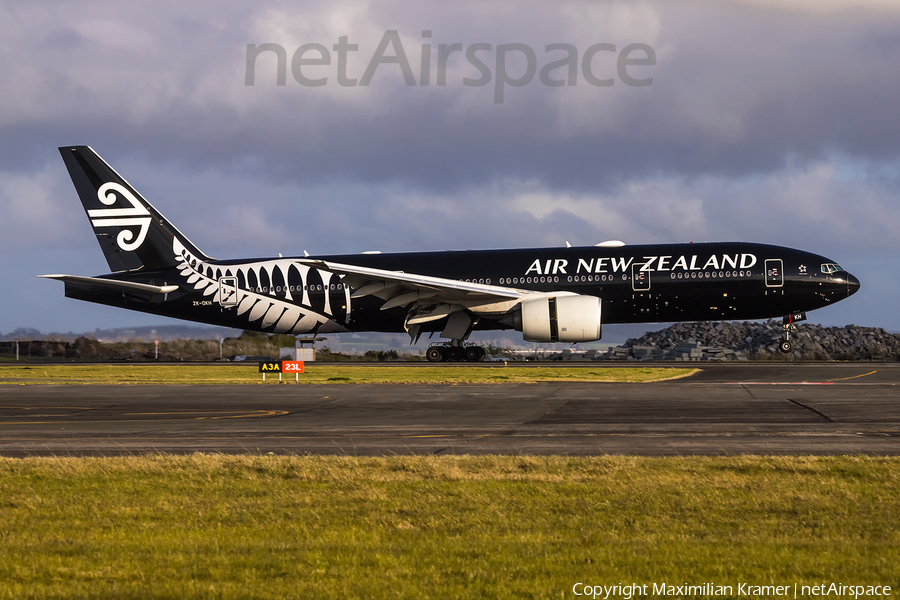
[(228, 292), (640, 280), (774, 272)]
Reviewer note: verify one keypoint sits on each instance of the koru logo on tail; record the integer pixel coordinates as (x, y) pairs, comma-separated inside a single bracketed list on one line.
[(136, 216)]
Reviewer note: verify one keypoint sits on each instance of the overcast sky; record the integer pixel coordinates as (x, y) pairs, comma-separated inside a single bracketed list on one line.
[(767, 121)]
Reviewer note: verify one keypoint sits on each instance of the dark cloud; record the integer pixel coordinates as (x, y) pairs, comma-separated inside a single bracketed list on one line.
[(735, 90), (766, 121)]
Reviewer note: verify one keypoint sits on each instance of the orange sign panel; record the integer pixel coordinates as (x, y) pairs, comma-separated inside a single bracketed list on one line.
[(292, 366)]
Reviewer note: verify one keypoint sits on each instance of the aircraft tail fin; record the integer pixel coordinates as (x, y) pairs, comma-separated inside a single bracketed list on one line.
[(132, 234)]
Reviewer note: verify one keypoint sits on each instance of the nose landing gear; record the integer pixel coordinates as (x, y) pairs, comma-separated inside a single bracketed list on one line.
[(787, 346)]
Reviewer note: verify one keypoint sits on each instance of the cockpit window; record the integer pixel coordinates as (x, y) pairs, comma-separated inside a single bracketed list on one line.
[(831, 268)]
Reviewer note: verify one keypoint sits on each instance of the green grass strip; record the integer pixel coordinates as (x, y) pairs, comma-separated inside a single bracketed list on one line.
[(205, 526), (228, 374)]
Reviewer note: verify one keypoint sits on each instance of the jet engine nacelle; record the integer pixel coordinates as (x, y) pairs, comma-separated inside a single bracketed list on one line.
[(561, 319)]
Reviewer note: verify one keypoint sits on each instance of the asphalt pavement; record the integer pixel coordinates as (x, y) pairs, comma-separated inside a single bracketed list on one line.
[(727, 408)]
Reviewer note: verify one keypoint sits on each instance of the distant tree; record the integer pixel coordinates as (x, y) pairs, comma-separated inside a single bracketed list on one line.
[(492, 350), (86, 348), (252, 335), (326, 354), (381, 355)]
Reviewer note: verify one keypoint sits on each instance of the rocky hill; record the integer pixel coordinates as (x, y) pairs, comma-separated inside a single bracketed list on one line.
[(760, 340)]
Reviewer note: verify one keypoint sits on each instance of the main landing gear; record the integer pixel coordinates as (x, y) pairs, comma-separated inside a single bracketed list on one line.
[(447, 352)]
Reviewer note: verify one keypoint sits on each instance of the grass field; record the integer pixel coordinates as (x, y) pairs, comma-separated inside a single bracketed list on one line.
[(439, 527), (227, 374)]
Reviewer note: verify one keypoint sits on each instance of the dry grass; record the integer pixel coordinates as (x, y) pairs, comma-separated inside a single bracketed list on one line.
[(229, 374), (206, 526)]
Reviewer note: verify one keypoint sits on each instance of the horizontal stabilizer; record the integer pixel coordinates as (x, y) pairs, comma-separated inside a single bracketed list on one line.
[(125, 286)]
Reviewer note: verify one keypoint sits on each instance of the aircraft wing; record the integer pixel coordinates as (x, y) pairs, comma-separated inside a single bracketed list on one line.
[(115, 284), (400, 289)]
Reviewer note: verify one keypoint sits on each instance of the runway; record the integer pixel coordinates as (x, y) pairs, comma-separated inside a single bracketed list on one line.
[(729, 408)]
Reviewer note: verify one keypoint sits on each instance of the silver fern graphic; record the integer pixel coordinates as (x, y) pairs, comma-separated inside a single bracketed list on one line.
[(264, 309)]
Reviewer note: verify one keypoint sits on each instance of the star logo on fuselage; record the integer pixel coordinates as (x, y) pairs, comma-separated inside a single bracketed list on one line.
[(803, 269)]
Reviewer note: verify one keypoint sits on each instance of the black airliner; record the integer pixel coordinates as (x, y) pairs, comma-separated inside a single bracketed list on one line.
[(549, 294)]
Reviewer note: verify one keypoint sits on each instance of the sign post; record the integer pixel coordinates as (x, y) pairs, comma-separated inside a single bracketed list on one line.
[(156, 349), (17, 348)]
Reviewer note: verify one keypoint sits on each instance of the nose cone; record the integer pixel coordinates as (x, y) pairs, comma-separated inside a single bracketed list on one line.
[(852, 285)]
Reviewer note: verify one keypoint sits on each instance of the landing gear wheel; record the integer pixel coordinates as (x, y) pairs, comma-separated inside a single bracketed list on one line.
[(435, 354), (456, 353), (786, 345), (474, 353)]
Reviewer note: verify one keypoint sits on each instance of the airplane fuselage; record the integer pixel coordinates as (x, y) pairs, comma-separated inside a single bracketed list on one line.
[(549, 294), (637, 284)]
